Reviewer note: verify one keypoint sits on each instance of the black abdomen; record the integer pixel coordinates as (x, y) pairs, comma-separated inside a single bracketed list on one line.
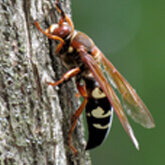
[(99, 114)]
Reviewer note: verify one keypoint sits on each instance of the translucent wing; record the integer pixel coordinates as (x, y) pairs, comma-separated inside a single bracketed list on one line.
[(115, 102), (132, 103)]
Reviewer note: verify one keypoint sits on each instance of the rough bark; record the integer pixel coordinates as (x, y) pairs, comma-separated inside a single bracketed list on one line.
[(34, 118)]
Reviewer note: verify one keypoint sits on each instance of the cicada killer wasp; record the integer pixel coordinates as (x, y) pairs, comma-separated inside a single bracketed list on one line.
[(87, 64)]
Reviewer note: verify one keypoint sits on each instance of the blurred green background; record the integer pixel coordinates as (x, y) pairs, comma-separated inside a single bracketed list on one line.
[(131, 33)]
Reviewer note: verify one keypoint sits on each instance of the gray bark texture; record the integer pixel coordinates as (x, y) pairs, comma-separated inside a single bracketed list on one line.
[(34, 118)]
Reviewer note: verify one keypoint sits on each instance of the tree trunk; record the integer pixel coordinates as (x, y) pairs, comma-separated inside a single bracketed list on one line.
[(34, 118)]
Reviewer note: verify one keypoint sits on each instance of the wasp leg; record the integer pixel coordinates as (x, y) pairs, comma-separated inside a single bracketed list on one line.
[(77, 114), (71, 73), (53, 37)]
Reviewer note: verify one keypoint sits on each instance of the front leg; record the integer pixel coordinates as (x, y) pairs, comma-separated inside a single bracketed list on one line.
[(51, 36), (71, 73)]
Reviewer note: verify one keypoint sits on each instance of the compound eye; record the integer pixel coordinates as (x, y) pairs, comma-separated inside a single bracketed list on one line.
[(53, 27), (59, 30), (62, 31)]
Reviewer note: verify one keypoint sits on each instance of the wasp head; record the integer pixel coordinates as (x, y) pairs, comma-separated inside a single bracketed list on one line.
[(62, 30)]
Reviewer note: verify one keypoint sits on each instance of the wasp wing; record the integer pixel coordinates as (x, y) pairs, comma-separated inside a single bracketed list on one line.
[(132, 103), (113, 99)]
